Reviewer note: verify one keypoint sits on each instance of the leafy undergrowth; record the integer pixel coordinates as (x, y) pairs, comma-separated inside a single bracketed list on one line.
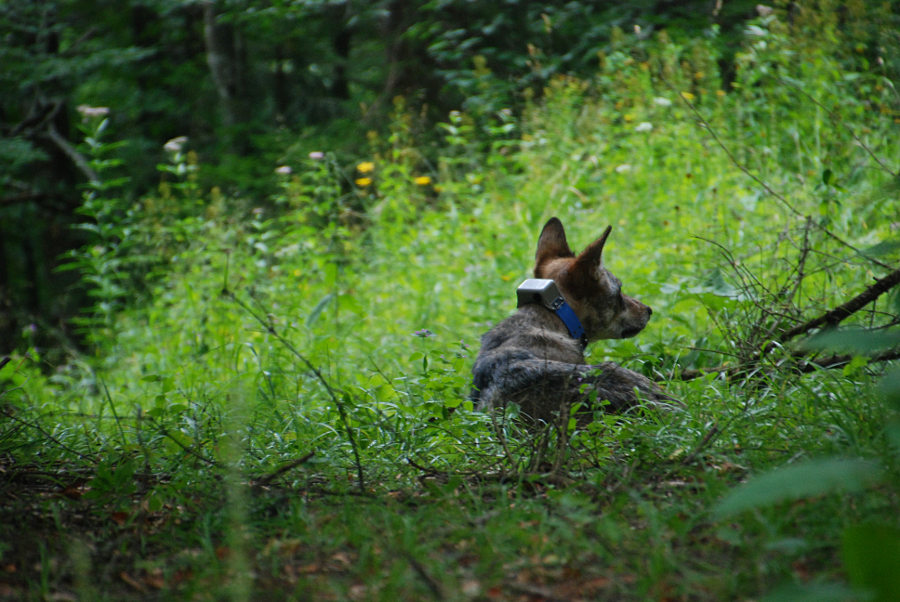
[(277, 401)]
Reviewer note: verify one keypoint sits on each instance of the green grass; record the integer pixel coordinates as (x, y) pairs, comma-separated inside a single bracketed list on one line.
[(266, 421)]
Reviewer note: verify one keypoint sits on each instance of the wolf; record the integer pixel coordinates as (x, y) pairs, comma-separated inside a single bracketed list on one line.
[(535, 357)]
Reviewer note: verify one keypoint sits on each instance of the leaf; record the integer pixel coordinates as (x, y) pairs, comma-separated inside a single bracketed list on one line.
[(314, 314), (885, 247), (807, 479), (350, 303), (811, 592), (872, 559), (889, 387), (857, 341), (855, 366)]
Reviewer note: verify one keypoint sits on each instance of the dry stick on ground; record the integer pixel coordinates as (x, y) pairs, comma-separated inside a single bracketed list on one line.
[(425, 469), (345, 419), (502, 439), (798, 273), (836, 361), (433, 586), (710, 435)]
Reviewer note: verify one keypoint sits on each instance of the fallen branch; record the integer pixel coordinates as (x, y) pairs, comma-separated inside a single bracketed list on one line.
[(434, 587), (804, 364), (192, 452), (829, 319), (839, 361), (842, 312), (710, 435)]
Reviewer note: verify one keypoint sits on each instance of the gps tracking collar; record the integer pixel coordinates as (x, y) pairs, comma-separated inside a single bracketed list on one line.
[(544, 292)]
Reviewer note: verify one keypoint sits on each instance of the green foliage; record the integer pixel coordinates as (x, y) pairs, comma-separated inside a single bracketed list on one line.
[(871, 556), (815, 477), (277, 398)]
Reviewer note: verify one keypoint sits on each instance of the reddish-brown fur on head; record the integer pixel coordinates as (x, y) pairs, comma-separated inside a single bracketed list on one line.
[(593, 292)]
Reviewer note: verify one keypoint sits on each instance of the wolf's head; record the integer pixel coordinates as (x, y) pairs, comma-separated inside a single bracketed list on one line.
[(594, 293)]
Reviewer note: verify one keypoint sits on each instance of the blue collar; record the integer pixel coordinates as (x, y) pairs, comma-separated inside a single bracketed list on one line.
[(544, 292), (565, 313)]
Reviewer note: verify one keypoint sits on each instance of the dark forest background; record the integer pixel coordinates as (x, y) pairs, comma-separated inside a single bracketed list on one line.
[(251, 84)]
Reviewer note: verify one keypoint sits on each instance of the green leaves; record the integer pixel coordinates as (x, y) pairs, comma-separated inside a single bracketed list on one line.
[(317, 310), (871, 554), (854, 340), (807, 479)]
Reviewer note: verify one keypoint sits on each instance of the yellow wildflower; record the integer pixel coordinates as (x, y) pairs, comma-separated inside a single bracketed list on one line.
[(365, 167), (363, 182), (422, 181), (688, 96)]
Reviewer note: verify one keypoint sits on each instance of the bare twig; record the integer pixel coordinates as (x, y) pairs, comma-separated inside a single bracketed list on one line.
[(499, 432), (433, 586), (801, 262), (562, 440), (839, 361), (76, 157), (112, 407), (805, 364), (425, 469), (165, 433), (710, 435), (283, 469), (38, 428)]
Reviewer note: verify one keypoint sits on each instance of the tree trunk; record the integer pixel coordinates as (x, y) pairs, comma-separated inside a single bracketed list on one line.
[(223, 45)]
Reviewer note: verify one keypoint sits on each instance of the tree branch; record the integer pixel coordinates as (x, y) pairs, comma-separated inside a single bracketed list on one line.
[(829, 318), (840, 313), (70, 151), (804, 365)]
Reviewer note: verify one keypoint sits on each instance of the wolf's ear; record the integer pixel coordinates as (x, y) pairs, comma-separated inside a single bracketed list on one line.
[(552, 243), (593, 255)]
